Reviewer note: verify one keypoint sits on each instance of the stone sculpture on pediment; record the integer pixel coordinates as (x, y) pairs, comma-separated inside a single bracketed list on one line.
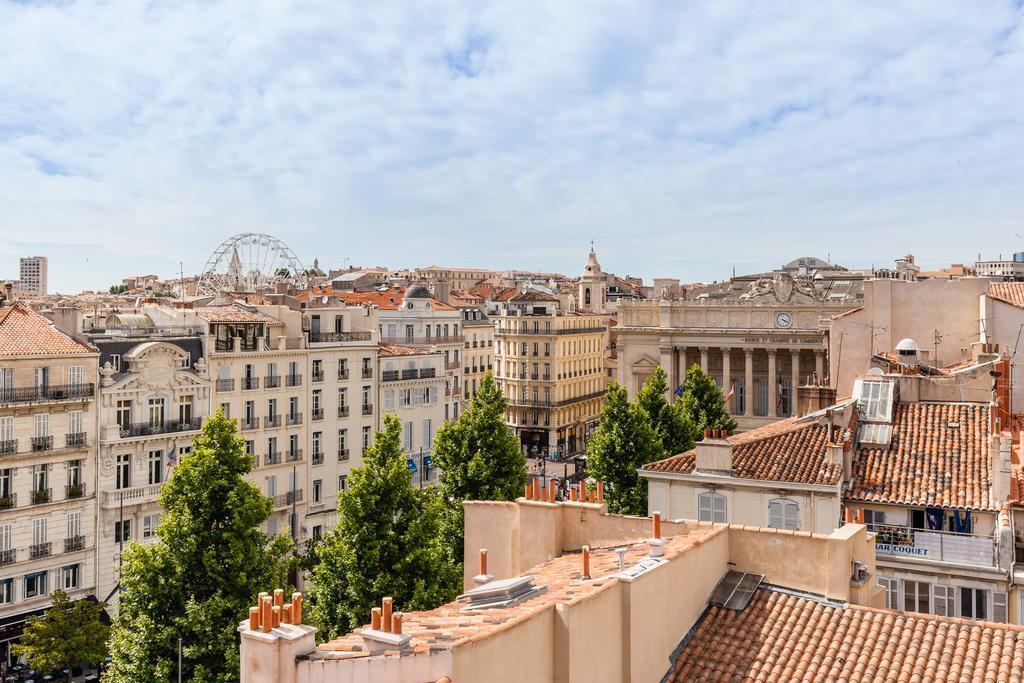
[(781, 288)]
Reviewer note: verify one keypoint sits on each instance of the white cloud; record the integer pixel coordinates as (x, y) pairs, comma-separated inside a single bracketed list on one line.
[(684, 138)]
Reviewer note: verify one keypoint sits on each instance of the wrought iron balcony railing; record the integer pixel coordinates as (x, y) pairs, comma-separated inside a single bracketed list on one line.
[(59, 392)]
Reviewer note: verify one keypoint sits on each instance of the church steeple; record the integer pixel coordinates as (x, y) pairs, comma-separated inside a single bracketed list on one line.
[(593, 285)]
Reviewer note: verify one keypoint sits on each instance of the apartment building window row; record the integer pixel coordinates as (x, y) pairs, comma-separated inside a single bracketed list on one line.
[(969, 602)]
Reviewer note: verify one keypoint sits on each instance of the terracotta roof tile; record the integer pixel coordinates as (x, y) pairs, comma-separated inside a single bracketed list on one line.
[(1009, 292), (23, 332), (782, 637), (938, 456), (386, 299), (387, 350), (783, 451), (233, 314)]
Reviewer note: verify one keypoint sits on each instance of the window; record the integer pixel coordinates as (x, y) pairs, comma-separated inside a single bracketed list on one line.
[(876, 400), (156, 411), (945, 601), (317, 486), (149, 525), (156, 466), (6, 591), (342, 482), (428, 434), (71, 576), (123, 470), (916, 596), (784, 514), (75, 422), (389, 399), (39, 530), (342, 438), (272, 485), (5, 537), (7, 428), (892, 592), (873, 518), (408, 436), (123, 531), (42, 424), (318, 532), (6, 480), (185, 409), (711, 507), (40, 477), (317, 439), (124, 414), (35, 585), (366, 437)]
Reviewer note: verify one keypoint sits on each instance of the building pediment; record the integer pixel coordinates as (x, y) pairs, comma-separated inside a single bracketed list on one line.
[(645, 363)]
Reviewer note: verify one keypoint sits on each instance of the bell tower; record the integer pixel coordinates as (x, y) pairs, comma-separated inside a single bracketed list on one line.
[(593, 289)]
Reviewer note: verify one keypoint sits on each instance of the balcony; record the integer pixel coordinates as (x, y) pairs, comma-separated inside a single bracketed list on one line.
[(249, 425), (425, 341), (8, 446), (40, 496), (273, 458), (295, 418), (295, 455), (132, 496), (389, 376), (316, 414), (273, 421), (318, 458), (294, 381), (250, 383), (342, 411), (42, 443), (165, 427), (74, 543), (367, 373), (338, 337), (367, 409), (453, 365), (75, 440), (40, 550), (225, 385), (8, 502), (934, 546), (342, 455), (74, 490), (8, 557), (272, 381), (61, 392), (286, 499), (317, 376), (343, 374)]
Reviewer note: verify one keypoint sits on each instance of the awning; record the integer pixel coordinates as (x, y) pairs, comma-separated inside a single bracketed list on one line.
[(411, 465), (427, 462)]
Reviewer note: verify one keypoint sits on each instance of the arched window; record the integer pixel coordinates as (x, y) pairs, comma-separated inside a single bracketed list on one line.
[(784, 513), (586, 296), (711, 507)]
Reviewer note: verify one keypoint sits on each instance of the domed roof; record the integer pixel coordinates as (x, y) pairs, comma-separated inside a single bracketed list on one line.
[(808, 262), (418, 292), (908, 346)]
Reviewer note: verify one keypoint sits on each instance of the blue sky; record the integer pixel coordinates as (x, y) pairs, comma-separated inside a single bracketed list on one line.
[(684, 138)]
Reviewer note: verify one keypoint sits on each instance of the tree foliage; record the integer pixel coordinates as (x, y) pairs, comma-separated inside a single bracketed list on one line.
[(68, 634), (200, 578), (386, 543), (704, 403), (118, 289), (668, 417), (624, 441), (479, 458)]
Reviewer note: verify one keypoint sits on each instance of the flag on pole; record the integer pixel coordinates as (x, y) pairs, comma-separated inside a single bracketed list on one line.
[(679, 391), (732, 390), (172, 457)]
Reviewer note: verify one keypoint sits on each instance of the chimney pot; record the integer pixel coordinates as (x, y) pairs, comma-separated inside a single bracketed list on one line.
[(553, 491), (286, 613), (591, 497), (572, 493), (544, 494), (277, 616), (600, 492), (278, 597), (526, 492), (656, 524), (396, 623), (586, 562), (254, 618), (707, 433), (385, 617), (375, 618), (536, 490), (266, 616), (297, 608), (483, 560)]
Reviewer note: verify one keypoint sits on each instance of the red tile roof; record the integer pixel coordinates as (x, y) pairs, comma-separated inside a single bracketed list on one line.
[(783, 451), (939, 456), (781, 637), (387, 350), (388, 299), (1009, 292), (233, 314), (23, 332)]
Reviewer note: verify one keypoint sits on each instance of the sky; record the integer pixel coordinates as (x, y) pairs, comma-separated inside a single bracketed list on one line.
[(685, 139)]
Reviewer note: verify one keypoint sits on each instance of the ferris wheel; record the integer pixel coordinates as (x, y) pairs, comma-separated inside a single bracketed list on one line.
[(250, 262)]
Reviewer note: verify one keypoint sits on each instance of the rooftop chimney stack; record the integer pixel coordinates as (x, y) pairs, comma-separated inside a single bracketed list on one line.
[(483, 577), (656, 543), (586, 562), (714, 452), (385, 632)]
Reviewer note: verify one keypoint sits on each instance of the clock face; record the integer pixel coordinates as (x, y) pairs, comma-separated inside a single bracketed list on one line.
[(783, 320)]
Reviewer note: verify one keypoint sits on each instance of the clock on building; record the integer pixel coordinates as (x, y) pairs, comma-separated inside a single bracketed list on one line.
[(783, 320)]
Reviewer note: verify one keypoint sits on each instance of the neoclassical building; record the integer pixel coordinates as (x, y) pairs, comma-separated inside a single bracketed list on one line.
[(757, 335)]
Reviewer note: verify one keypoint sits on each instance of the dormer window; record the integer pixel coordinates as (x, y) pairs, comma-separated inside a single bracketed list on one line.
[(876, 401)]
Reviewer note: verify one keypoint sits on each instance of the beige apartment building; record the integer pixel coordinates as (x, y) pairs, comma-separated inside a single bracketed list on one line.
[(48, 473), (33, 274), (478, 354), (550, 364), (757, 335)]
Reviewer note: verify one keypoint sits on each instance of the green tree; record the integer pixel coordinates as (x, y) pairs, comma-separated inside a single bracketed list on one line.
[(198, 581), (118, 289), (624, 441), (704, 403), (670, 420), (386, 543), (68, 634), (479, 458)]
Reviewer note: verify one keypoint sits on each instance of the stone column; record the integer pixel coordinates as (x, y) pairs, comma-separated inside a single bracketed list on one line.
[(748, 384), (667, 361), (726, 376), (819, 365), (703, 358), (794, 380), (773, 385)]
